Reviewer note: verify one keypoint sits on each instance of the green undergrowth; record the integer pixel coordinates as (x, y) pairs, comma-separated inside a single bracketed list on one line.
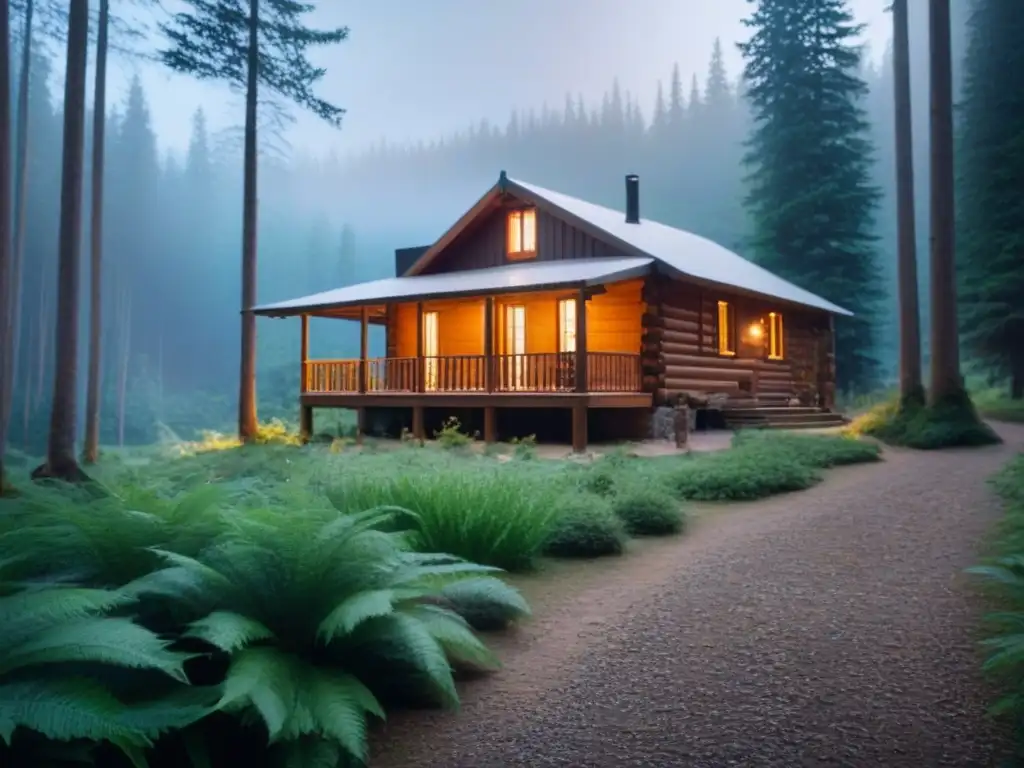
[(266, 604), (186, 630), (1002, 578), (951, 423)]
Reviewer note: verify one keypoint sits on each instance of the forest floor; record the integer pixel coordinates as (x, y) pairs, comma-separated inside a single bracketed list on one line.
[(834, 626)]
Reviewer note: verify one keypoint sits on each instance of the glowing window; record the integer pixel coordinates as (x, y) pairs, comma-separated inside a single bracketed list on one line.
[(522, 234), (567, 325), (725, 334), (775, 336)]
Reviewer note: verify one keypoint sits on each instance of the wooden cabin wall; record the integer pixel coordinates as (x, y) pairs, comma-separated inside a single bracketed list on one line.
[(614, 318), (483, 244), (680, 345)]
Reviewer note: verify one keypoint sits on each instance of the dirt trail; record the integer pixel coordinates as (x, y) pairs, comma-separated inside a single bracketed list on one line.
[(828, 627)]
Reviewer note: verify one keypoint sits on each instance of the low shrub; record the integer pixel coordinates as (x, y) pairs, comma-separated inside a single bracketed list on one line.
[(951, 423), (647, 511), (763, 464), (451, 436), (1003, 577), (585, 526), (487, 516)]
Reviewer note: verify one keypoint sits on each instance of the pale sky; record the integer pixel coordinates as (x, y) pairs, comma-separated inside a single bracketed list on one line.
[(419, 69)]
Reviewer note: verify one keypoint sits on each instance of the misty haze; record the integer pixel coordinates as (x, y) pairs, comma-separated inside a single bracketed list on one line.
[(340, 340)]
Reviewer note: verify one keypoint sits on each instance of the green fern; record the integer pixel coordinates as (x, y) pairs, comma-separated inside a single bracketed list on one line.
[(55, 650), (322, 622)]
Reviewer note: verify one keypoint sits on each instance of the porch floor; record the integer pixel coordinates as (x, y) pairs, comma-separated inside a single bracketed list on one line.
[(477, 399)]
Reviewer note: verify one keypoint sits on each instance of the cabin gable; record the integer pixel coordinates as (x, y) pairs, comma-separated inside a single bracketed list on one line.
[(513, 231)]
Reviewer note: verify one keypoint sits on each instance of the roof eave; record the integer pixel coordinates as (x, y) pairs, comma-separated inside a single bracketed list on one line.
[(307, 309)]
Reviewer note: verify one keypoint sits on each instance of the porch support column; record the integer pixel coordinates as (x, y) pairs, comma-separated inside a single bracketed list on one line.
[(421, 371), (490, 424), (305, 411), (304, 354), (364, 347), (418, 430), (581, 340), (488, 349), (305, 422), (579, 428)]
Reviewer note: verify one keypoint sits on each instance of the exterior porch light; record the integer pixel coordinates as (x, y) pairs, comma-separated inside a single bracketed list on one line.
[(756, 331)]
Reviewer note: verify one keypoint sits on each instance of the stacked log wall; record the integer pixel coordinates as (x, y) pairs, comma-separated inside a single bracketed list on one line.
[(680, 346)]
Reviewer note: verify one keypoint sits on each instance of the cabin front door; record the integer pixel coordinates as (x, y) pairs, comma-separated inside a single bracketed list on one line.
[(515, 346), (430, 349)]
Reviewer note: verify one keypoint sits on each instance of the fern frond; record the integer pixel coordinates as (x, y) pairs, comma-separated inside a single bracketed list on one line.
[(263, 678), (119, 642), (454, 636), (339, 704), (424, 652), (64, 710), (30, 610), (228, 631), (309, 752), (353, 611), (487, 603)]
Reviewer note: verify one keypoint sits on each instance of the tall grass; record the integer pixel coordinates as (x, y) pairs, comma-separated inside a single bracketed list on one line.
[(489, 517)]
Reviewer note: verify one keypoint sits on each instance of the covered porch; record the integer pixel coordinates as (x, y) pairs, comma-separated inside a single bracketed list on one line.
[(541, 335)]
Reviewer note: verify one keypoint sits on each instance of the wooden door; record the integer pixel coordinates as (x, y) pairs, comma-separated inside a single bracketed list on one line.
[(431, 343)]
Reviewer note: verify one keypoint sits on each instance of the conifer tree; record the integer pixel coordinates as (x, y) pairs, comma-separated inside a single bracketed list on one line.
[(810, 198), (991, 205), (237, 42)]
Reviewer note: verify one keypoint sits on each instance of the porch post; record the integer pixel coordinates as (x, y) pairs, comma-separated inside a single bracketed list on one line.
[(364, 345), (421, 373), (304, 354), (581, 341), (418, 430), (579, 428), (489, 344), (305, 411)]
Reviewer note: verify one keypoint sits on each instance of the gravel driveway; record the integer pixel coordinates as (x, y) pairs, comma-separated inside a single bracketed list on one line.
[(828, 627)]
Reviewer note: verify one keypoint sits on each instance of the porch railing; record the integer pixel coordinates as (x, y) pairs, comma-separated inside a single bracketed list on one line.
[(534, 372)]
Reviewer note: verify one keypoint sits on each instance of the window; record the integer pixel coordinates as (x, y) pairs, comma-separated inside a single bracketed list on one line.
[(515, 347), (775, 340), (430, 349), (522, 234), (567, 325), (726, 345)]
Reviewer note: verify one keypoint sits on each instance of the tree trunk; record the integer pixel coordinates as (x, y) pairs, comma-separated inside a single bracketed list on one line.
[(247, 372), (910, 318), (945, 373), (1017, 376), (60, 453), (99, 117), (20, 223), (6, 310), (125, 331)]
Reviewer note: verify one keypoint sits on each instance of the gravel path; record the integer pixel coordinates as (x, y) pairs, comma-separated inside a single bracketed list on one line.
[(829, 627)]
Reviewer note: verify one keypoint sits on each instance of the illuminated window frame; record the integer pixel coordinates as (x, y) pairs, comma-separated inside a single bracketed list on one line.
[(521, 239), (567, 325), (776, 337), (726, 343)]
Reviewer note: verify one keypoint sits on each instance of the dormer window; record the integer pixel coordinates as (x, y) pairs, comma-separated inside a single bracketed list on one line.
[(522, 234)]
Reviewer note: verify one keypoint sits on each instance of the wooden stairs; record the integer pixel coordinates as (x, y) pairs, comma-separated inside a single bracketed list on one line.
[(765, 416)]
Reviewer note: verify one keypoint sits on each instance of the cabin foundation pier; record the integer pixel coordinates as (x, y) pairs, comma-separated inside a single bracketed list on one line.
[(419, 432), (360, 425), (305, 423), (579, 428), (490, 424)]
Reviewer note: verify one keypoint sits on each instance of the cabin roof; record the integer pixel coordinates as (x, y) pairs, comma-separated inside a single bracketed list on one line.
[(684, 252), (510, 278)]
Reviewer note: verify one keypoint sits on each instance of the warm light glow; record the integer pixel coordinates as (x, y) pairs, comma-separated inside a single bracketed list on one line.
[(522, 234), (725, 345), (431, 349), (756, 331), (775, 336), (567, 325)]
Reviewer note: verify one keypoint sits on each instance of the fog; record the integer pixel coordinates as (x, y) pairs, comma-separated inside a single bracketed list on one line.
[(440, 96)]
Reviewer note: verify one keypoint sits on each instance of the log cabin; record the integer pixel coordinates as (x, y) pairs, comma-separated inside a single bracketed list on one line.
[(537, 301)]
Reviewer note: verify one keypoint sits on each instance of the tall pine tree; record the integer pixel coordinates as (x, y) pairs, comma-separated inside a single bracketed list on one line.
[(810, 197), (991, 208)]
